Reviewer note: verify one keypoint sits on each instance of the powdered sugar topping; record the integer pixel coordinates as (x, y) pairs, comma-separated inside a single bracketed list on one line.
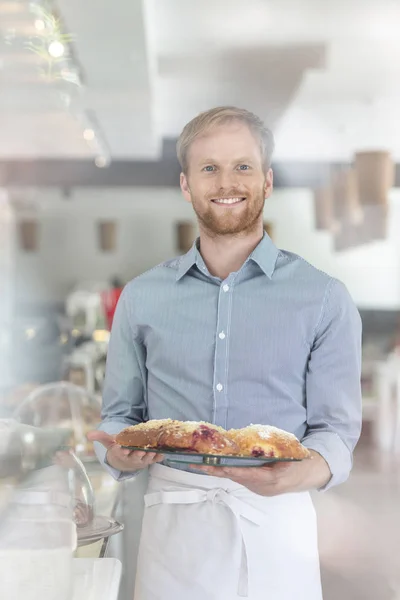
[(149, 424), (266, 431)]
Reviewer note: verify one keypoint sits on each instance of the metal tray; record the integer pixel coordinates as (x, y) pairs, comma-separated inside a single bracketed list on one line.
[(215, 460)]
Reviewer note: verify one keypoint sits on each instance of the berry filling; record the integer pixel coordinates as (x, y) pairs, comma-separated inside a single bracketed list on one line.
[(259, 452)]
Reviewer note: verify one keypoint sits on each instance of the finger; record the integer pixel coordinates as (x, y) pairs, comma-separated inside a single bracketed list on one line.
[(236, 472), (277, 466), (102, 437), (215, 471), (200, 468), (156, 457), (152, 457), (148, 458), (137, 454)]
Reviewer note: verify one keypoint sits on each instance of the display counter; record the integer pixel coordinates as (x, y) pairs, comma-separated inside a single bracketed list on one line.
[(123, 502)]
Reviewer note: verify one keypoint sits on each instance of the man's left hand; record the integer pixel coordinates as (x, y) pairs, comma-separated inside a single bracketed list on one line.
[(277, 478)]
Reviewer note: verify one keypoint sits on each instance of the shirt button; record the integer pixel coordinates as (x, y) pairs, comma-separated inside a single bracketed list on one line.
[(222, 336), (220, 387), (226, 288)]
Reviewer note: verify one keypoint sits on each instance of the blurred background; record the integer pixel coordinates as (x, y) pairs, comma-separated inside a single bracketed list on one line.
[(93, 96)]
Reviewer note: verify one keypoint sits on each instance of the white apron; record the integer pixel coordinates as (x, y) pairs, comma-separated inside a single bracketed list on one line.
[(208, 538)]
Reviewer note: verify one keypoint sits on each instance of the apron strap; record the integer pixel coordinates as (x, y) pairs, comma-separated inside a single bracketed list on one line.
[(217, 496)]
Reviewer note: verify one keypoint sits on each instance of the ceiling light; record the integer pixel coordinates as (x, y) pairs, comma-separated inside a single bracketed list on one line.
[(101, 162), (89, 135), (56, 49), (40, 24)]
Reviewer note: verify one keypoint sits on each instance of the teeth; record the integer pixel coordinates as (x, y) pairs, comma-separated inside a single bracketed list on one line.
[(227, 200)]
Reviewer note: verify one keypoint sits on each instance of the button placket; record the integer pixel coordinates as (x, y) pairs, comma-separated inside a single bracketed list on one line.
[(221, 353)]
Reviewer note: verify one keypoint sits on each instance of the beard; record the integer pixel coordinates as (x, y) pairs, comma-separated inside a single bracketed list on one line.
[(223, 221)]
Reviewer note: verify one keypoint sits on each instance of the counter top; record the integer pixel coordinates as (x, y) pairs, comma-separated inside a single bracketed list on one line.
[(106, 491)]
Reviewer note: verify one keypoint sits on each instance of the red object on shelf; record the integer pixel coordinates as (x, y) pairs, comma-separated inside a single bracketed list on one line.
[(109, 299)]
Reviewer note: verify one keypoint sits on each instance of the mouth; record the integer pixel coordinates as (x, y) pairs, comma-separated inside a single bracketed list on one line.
[(228, 201)]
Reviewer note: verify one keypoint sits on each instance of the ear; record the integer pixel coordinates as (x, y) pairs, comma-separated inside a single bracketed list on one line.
[(269, 183), (185, 188)]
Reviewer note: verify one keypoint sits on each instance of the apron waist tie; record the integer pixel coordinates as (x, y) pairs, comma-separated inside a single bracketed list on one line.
[(240, 509)]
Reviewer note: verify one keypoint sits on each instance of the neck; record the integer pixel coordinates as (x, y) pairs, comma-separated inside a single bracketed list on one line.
[(226, 254)]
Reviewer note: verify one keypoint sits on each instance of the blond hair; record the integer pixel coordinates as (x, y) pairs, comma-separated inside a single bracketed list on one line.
[(218, 116)]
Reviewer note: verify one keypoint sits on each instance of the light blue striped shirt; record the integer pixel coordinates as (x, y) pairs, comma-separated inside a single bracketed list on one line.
[(277, 342)]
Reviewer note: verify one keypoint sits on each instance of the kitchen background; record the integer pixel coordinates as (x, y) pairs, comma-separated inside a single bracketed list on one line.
[(92, 98)]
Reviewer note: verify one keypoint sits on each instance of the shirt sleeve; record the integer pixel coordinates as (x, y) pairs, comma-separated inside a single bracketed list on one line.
[(124, 391), (333, 383)]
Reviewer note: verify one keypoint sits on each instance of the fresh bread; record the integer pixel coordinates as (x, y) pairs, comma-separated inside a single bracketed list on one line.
[(206, 438), (269, 441)]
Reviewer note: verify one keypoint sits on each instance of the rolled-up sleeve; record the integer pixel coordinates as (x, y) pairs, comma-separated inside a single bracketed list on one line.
[(124, 387), (333, 388)]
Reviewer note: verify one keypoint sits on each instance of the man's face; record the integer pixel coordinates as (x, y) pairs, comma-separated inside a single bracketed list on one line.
[(226, 181)]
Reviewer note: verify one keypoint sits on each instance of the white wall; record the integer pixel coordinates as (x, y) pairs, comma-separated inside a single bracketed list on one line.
[(371, 272), (146, 217), (68, 246)]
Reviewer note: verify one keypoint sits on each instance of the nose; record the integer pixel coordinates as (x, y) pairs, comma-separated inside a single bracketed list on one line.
[(226, 180)]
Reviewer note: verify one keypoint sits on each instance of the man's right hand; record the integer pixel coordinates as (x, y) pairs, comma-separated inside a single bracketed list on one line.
[(120, 458)]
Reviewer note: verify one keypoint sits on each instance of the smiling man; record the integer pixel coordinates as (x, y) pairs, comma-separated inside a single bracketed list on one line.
[(234, 332)]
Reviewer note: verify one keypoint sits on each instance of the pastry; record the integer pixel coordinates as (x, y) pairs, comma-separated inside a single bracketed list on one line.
[(143, 435), (205, 438), (193, 436), (268, 441)]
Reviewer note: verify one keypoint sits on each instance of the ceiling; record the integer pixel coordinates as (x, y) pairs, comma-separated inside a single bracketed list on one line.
[(324, 75)]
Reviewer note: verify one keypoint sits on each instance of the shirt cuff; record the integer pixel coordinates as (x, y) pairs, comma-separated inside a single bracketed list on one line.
[(112, 427), (339, 458)]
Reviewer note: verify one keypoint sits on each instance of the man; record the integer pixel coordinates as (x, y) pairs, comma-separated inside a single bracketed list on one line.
[(234, 332)]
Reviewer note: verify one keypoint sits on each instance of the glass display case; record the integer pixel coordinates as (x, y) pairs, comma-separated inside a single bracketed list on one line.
[(67, 406)]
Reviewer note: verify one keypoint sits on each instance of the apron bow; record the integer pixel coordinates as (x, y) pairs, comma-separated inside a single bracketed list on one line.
[(240, 509)]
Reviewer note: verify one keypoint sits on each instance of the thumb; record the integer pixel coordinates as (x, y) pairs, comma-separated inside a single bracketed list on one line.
[(101, 436)]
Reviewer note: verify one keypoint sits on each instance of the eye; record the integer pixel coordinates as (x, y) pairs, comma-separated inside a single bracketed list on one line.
[(244, 168), (209, 169)]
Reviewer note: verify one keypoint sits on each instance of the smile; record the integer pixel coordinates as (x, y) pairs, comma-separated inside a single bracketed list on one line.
[(229, 201)]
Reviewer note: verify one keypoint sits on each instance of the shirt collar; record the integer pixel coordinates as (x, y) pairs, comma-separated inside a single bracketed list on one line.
[(187, 261), (264, 255)]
